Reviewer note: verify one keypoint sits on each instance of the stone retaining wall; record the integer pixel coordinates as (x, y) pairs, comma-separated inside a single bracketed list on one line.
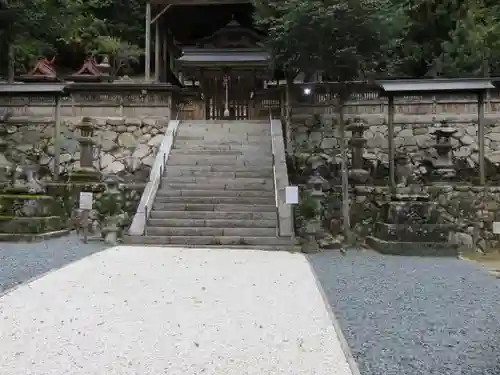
[(124, 146)]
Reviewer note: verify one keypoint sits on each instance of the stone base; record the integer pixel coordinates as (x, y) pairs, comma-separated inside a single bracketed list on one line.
[(437, 233), (30, 225), (84, 175), (430, 249), (11, 237)]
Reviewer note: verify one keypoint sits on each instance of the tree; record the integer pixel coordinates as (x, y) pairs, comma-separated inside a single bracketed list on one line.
[(340, 38), (474, 45)]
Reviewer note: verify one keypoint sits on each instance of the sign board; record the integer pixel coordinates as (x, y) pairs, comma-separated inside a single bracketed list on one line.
[(496, 227), (292, 195), (86, 200)]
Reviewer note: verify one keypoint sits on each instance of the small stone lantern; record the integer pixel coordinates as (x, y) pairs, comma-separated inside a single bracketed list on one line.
[(313, 227), (443, 167), (358, 175), (111, 206), (86, 171)]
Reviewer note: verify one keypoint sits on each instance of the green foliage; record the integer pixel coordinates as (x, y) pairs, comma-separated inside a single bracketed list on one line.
[(338, 37)]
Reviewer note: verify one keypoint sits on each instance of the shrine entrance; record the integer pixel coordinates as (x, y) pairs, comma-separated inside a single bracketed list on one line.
[(228, 67), (239, 97)]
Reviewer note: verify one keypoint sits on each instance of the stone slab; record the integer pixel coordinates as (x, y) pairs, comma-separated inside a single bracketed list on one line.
[(211, 215), (436, 249), (214, 223), (207, 199), (137, 310), (213, 207), (210, 231)]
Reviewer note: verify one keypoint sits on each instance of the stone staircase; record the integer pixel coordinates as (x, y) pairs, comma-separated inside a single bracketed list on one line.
[(217, 189)]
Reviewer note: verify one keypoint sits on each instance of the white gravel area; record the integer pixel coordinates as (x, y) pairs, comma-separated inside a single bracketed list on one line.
[(134, 310)]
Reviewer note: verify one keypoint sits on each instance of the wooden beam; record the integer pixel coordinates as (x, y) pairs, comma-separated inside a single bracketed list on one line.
[(157, 17), (480, 135), (199, 2), (392, 154), (157, 52), (147, 44)]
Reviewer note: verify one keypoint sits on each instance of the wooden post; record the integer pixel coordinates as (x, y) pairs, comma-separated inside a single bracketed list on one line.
[(57, 137), (392, 166), (346, 219), (165, 57), (480, 134), (157, 51), (147, 44)]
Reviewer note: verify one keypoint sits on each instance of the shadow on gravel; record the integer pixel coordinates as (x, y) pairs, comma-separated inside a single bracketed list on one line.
[(410, 315), (20, 262)]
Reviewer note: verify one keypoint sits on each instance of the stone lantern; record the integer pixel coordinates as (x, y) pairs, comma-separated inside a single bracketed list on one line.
[(86, 171), (357, 174), (443, 168)]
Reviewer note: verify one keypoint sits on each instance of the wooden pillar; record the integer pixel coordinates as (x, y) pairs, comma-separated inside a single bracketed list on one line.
[(392, 166), (57, 137), (165, 57), (157, 51), (480, 134), (147, 44)]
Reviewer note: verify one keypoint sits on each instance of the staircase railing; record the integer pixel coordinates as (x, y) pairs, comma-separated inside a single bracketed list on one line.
[(276, 192), (139, 222), (280, 173)]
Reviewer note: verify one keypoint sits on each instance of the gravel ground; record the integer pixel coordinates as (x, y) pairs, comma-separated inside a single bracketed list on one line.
[(151, 311), (20, 262), (408, 315)]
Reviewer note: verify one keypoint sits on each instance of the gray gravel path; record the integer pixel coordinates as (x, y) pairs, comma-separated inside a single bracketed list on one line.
[(407, 315), (20, 262)]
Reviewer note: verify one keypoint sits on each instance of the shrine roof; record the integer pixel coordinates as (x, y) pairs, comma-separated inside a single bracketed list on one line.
[(436, 85), (206, 57), (49, 89)]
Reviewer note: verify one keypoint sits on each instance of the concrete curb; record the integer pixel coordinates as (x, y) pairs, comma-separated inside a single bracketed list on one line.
[(338, 330)]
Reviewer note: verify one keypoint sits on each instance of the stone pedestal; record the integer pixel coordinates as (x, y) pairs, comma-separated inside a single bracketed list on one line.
[(409, 225)]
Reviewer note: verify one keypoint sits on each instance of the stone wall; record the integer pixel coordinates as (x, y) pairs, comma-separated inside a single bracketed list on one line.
[(467, 209), (124, 146)]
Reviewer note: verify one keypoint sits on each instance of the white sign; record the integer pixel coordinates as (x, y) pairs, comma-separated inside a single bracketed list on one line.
[(496, 227), (86, 200), (292, 195)]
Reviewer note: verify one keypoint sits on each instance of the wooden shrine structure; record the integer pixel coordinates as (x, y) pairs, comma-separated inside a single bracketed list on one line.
[(216, 50)]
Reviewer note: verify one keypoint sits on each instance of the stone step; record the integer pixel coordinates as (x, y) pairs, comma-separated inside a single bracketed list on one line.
[(218, 168), (243, 181), (213, 223), (191, 173), (213, 207), (189, 183), (239, 143), (214, 193), (211, 137), (240, 160), (209, 231), (212, 241), (213, 215), (231, 153), (216, 200), (221, 148)]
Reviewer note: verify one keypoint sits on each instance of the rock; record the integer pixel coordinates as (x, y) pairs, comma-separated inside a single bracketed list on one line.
[(462, 152), (471, 130), (149, 160), (462, 239), (406, 133), (144, 138), (134, 122), (132, 164), (156, 140), (493, 136), (378, 141), (420, 131), (65, 158), (493, 157), (115, 167), (467, 140), (106, 160), (141, 151), (115, 121), (127, 140)]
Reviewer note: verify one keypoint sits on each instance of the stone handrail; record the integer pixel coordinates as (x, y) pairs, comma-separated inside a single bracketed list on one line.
[(148, 196), (281, 180)]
